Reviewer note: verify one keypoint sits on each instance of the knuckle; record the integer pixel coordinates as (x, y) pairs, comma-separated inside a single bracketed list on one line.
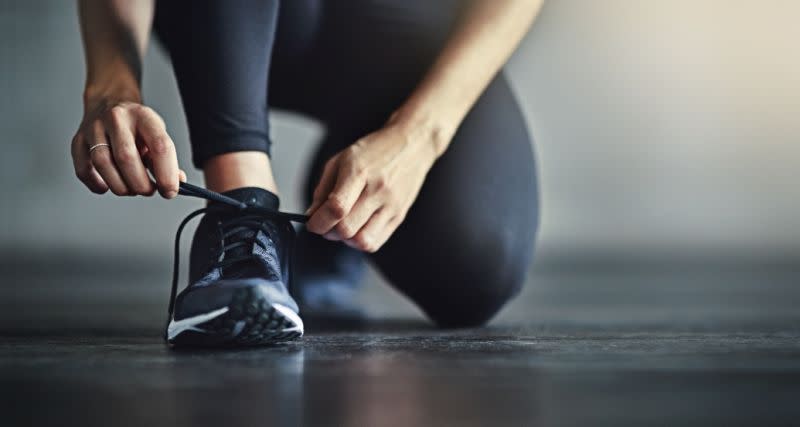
[(95, 132), (381, 183), (345, 230), (160, 145), (136, 109), (358, 169), (336, 206), (116, 113), (125, 157), (360, 143), (144, 109)]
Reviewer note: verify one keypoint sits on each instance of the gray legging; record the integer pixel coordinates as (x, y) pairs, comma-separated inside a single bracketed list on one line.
[(467, 242)]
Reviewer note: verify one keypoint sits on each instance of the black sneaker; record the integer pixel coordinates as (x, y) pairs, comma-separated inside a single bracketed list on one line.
[(326, 281), (239, 273)]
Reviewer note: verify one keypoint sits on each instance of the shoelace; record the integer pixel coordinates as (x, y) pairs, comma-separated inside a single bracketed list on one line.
[(252, 218), (247, 226)]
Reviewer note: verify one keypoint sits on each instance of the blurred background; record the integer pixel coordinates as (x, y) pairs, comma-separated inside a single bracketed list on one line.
[(667, 132)]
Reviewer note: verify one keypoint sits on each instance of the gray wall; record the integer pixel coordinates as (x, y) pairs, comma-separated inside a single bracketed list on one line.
[(659, 125)]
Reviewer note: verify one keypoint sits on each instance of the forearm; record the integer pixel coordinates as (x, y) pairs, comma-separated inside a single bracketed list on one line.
[(115, 35), (480, 45)]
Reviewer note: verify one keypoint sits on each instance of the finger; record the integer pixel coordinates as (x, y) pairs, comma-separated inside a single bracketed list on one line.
[(126, 155), (83, 166), (103, 161), (161, 151), (148, 164), (375, 232), (363, 210), (326, 183), (339, 202)]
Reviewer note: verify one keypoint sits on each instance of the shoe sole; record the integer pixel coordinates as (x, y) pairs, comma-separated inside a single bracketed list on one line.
[(248, 320)]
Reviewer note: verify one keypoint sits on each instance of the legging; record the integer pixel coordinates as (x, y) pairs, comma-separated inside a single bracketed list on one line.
[(467, 242)]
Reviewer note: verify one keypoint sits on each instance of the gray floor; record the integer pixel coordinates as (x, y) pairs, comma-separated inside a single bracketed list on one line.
[(689, 343)]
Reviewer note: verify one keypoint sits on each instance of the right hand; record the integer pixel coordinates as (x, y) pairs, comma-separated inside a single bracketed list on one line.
[(138, 142)]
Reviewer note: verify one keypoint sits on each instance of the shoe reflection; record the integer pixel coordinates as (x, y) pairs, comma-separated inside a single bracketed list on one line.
[(387, 374)]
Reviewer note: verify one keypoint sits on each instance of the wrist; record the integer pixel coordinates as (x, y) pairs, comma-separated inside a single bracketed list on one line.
[(424, 128), (116, 87), (93, 96)]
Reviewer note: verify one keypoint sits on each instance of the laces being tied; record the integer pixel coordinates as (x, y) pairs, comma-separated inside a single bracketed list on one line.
[(251, 218)]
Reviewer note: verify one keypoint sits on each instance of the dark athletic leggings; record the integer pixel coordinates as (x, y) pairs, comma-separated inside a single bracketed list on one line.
[(467, 242)]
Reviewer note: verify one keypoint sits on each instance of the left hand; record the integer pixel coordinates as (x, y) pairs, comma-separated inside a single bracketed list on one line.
[(366, 189)]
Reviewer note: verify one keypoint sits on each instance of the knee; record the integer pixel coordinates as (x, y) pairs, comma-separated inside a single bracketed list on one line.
[(478, 285), (472, 308)]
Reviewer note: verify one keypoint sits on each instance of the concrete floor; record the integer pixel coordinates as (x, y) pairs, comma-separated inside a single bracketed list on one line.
[(684, 344)]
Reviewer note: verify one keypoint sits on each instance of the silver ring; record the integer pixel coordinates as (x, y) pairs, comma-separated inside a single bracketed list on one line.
[(98, 145)]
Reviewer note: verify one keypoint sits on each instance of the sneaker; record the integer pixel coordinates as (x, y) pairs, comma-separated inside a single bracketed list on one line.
[(326, 281), (239, 273)]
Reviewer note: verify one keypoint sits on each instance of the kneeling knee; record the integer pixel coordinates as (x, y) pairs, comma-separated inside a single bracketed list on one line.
[(473, 282), (473, 306)]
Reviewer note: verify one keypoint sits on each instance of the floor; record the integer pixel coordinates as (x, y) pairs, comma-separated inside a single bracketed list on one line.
[(684, 344)]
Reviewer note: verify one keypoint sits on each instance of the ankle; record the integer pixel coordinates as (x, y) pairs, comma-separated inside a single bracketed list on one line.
[(239, 169)]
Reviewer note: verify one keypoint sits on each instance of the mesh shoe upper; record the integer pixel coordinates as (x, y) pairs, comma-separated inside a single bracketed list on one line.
[(235, 248)]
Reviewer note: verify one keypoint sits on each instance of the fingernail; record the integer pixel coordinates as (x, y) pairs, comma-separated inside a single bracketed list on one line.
[(170, 194)]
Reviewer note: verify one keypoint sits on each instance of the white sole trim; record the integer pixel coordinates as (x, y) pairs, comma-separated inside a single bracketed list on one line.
[(176, 327), (291, 315)]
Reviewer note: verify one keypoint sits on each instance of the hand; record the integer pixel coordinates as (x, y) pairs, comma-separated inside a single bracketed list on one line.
[(366, 189), (138, 141)]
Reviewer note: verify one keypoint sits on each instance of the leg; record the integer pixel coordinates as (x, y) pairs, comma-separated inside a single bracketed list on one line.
[(477, 213), (352, 90), (221, 52), (239, 264)]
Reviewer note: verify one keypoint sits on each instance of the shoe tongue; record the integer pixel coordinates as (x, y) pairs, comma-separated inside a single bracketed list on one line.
[(254, 196)]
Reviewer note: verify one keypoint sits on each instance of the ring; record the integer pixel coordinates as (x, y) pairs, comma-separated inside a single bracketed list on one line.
[(98, 145)]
